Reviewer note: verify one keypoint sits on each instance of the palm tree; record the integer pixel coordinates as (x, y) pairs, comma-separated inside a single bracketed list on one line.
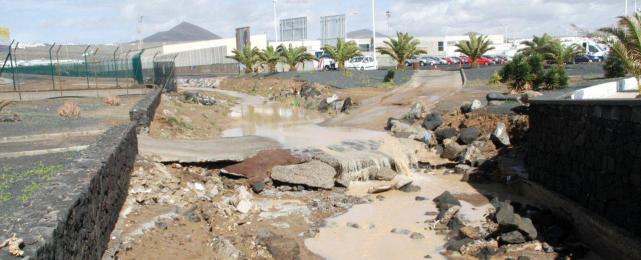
[(270, 57), (247, 56), (292, 56), (401, 49), (342, 52), (475, 47), (627, 45), (537, 45), (560, 54)]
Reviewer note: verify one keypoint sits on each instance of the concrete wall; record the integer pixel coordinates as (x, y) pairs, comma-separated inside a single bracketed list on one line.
[(590, 152), (606, 90), (73, 216)]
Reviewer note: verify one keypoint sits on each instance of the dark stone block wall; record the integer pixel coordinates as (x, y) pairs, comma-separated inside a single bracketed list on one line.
[(590, 152), (143, 112), (73, 216)]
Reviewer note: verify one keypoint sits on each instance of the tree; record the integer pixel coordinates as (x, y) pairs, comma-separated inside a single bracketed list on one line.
[(614, 66), (475, 47), (292, 56), (342, 52), (537, 45), (247, 56), (270, 56), (627, 45), (401, 49), (555, 51)]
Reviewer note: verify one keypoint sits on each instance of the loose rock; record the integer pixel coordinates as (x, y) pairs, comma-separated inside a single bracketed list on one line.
[(500, 136), (416, 235), (432, 121), (469, 135), (313, 174)]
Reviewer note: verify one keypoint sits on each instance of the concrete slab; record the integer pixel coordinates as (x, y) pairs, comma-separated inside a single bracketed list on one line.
[(207, 150)]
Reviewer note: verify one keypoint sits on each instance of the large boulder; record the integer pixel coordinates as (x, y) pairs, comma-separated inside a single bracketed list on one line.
[(312, 174), (500, 136), (347, 104), (310, 90), (510, 221), (432, 121), (469, 107), (452, 151), (445, 133), (469, 135), (417, 111)]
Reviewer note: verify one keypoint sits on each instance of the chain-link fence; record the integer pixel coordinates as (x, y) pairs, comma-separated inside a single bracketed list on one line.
[(53, 67)]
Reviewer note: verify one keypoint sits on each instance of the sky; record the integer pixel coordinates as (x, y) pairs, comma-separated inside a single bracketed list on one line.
[(114, 21)]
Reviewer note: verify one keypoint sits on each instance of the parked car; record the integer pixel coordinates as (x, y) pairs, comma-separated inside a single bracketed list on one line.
[(421, 60), (361, 63), (586, 59), (484, 61), (465, 60), (453, 60), (326, 63), (440, 61)]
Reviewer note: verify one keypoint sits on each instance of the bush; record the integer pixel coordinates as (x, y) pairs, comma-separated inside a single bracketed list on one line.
[(537, 70), (555, 77), (495, 78), (528, 71), (69, 109), (389, 77), (614, 67), (518, 72)]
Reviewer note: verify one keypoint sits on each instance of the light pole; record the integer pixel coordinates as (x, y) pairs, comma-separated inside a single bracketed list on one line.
[(388, 14), (626, 7), (275, 22), (139, 29), (373, 31)]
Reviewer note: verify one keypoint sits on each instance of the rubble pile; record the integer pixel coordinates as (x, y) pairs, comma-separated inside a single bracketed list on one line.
[(199, 98), (200, 82), (508, 230), (471, 138)]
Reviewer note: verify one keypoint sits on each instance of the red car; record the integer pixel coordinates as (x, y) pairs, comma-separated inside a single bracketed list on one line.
[(484, 61), (452, 60), (465, 60)]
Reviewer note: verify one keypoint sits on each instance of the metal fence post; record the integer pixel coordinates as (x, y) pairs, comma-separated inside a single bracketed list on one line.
[(16, 86), (58, 67), (116, 66), (153, 66), (93, 66), (53, 79), (84, 53), (7, 58)]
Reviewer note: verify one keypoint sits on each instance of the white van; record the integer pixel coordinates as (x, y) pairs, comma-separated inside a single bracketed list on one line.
[(361, 63)]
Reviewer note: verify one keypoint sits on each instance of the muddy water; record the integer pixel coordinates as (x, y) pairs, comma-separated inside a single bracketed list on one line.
[(298, 128), (373, 240)]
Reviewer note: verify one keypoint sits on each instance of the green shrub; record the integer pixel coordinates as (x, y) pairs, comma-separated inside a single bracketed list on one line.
[(614, 67), (389, 77), (495, 78), (518, 73), (555, 77), (537, 70)]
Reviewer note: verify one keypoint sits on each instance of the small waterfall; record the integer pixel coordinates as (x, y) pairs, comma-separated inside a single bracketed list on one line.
[(357, 160)]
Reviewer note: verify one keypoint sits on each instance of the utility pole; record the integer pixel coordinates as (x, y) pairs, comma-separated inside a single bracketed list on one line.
[(139, 29), (626, 7), (373, 30), (275, 22), (388, 14)]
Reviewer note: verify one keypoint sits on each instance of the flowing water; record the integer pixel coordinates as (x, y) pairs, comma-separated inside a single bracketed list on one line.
[(358, 150)]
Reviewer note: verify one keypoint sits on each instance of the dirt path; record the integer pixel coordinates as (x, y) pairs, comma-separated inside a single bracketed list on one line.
[(425, 86)]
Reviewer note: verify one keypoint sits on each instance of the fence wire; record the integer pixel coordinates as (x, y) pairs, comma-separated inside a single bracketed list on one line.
[(54, 67)]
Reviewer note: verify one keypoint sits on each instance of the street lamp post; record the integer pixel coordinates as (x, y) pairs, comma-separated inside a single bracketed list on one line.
[(275, 22), (373, 30)]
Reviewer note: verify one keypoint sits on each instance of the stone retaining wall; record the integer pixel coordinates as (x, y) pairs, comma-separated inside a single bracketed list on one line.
[(590, 152), (73, 216), (143, 112)]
